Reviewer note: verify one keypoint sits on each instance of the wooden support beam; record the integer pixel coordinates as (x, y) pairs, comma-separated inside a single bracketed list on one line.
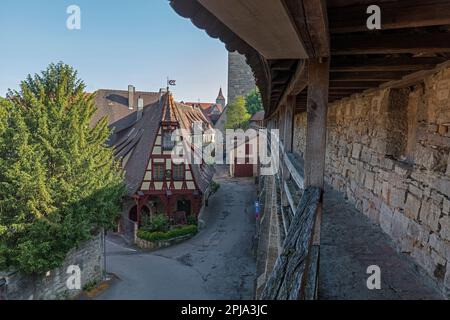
[(400, 42), (311, 21), (289, 123), (414, 78), (395, 15), (316, 130), (367, 64)]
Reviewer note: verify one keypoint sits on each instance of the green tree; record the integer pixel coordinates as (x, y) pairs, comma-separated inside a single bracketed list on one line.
[(253, 102), (59, 182), (237, 115)]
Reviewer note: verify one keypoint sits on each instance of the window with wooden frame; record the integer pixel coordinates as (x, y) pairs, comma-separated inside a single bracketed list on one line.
[(178, 172), (167, 142), (158, 171)]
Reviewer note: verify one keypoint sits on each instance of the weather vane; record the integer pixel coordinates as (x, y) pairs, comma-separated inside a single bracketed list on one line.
[(171, 83)]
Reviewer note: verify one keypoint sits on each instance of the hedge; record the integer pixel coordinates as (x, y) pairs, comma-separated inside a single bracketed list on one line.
[(171, 234)]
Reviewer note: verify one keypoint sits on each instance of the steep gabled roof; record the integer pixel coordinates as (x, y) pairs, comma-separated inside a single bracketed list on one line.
[(208, 109), (139, 140), (113, 104), (134, 134)]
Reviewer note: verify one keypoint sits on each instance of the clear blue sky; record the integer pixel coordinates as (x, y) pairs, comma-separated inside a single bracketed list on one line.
[(138, 42)]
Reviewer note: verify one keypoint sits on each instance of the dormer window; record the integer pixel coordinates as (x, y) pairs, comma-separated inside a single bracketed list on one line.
[(168, 144)]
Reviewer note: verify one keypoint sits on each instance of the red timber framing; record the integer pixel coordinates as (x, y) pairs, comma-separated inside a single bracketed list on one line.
[(341, 57), (165, 187)]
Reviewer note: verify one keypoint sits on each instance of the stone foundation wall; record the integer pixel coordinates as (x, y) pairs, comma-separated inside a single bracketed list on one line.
[(388, 152), (268, 234), (53, 285)]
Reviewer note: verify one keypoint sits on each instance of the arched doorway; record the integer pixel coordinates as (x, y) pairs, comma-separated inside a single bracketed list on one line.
[(184, 205), (132, 214), (145, 213)]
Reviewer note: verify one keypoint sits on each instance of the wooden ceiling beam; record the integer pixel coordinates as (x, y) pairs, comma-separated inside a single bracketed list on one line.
[(366, 76), (355, 84), (358, 64), (311, 21), (396, 43), (297, 84), (282, 65), (395, 15)]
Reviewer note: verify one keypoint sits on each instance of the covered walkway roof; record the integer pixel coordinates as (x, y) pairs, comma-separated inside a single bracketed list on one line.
[(278, 37)]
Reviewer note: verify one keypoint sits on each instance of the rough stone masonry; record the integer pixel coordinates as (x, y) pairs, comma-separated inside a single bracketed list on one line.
[(52, 286), (388, 152)]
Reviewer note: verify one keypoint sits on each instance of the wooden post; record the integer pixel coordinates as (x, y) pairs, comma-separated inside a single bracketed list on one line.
[(289, 123), (316, 131)]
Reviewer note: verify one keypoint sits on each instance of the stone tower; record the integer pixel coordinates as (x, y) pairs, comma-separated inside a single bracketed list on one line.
[(240, 76)]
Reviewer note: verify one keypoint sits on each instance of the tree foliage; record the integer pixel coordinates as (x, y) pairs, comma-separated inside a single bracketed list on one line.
[(237, 115), (253, 102), (59, 182)]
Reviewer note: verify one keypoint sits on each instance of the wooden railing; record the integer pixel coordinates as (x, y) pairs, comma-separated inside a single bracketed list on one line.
[(295, 275), (296, 271)]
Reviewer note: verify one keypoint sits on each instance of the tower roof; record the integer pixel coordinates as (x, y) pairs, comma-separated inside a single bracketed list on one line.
[(220, 96)]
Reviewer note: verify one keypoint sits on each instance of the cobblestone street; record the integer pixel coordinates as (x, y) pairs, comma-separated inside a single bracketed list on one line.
[(216, 264)]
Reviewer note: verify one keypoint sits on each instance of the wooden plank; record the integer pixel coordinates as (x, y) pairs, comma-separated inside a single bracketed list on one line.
[(311, 21), (316, 129), (289, 196), (261, 24), (287, 216), (395, 15), (312, 278), (358, 64), (295, 170), (400, 42), (286, 282), (289, 123), (366, 76), (281, 65), (354, 84), (297, 83), (415, 78)]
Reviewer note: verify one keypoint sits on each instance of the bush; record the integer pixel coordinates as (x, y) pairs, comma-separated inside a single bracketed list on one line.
[(158, 223), (192, 220), (171, 234), (215, 187)]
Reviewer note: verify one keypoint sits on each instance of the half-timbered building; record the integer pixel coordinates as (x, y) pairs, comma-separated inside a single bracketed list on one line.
[(143, 129)]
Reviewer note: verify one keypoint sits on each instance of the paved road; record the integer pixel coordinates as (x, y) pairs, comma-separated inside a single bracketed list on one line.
[(216, 264)]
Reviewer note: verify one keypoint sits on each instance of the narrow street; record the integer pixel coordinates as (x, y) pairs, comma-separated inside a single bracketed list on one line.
[(218, 263)]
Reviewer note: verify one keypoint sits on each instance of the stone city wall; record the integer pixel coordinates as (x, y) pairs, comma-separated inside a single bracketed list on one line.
[(53, 285), (388, 152)]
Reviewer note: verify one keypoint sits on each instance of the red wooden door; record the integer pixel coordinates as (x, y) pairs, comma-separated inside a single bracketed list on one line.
[(243, 170)]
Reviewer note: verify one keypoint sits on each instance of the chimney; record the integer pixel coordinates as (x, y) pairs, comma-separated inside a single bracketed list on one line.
[(131, 91), (162, 92), (140, 108)]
